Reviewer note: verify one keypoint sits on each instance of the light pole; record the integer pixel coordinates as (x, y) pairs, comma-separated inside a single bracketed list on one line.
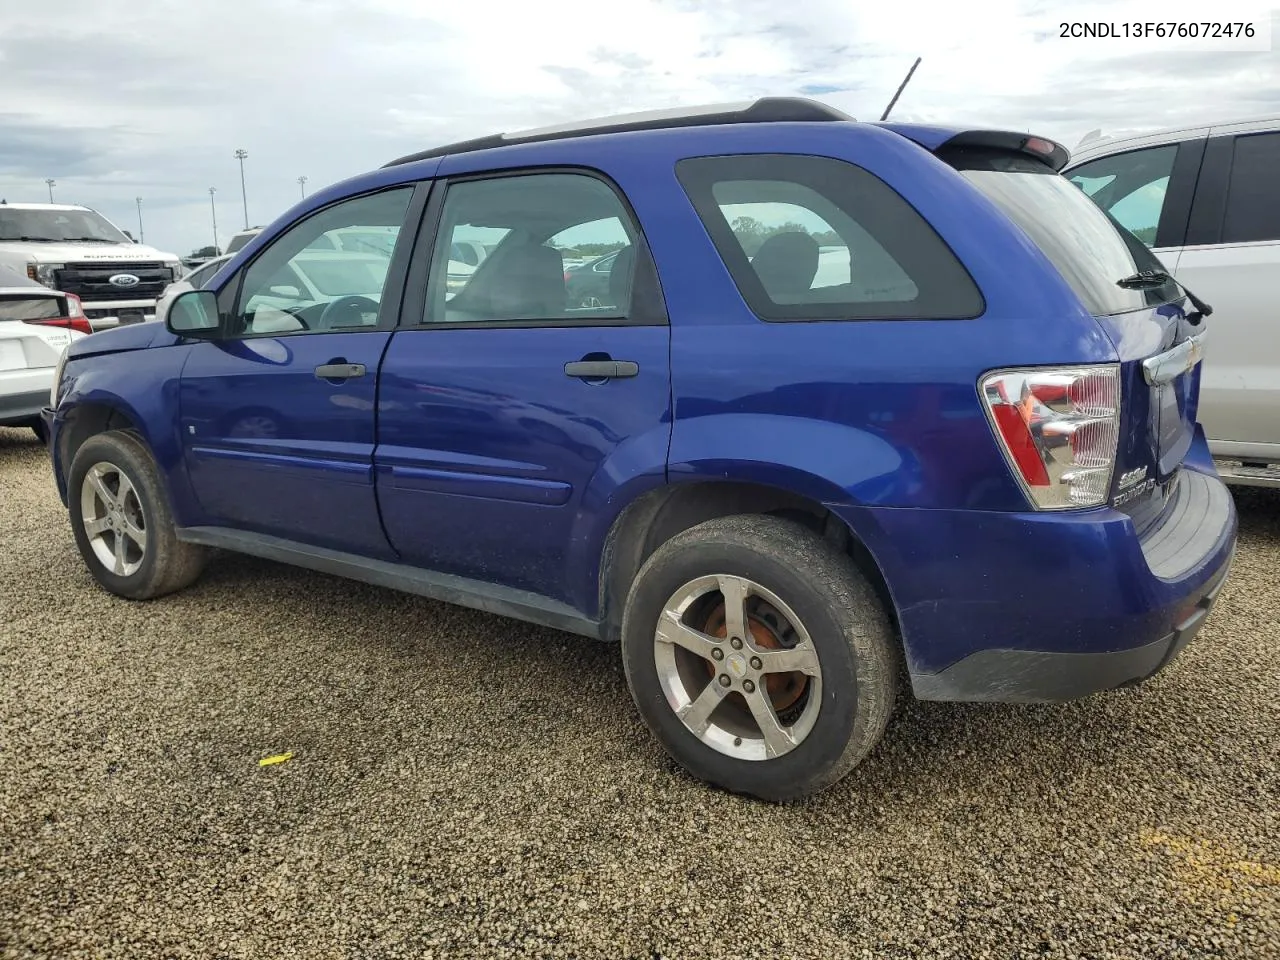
[(51, 183), (214, 211), (141, 236), (302, 183), (240, 155)]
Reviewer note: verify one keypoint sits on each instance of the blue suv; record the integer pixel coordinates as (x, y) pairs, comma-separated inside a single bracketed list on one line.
[(861, 402)]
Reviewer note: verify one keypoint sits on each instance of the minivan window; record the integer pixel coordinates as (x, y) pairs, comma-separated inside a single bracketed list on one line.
[(1087, 245)]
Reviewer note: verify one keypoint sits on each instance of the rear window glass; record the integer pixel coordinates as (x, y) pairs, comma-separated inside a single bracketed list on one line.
[(814, 238), (30, 308), (1087, 245)]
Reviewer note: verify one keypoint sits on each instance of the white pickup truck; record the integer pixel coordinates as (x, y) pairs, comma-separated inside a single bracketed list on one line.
[(76, 250), (1206, 200)]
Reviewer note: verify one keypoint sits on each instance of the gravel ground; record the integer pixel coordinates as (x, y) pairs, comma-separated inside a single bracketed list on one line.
[(463, 785)]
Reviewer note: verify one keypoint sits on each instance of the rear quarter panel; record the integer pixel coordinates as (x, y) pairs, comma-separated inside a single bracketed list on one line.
[(882, 413)]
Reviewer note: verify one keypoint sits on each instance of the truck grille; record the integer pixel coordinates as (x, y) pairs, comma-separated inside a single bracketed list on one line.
[(92, 281)]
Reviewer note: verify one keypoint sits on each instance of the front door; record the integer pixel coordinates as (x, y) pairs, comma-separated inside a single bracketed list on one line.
[(512, 412), (277, 416)]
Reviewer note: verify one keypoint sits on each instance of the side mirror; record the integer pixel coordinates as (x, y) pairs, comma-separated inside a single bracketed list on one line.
[(285, 290), (193, 313)]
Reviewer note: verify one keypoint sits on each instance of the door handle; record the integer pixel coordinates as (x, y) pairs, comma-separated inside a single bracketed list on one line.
[(339, 371), (601, 369)]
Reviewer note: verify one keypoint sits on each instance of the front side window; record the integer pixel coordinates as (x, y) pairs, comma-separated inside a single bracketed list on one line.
[(1130, 186), (808, 238), (544, 232), (306, 281)]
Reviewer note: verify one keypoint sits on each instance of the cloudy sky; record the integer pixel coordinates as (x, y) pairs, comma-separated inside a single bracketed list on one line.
[(116, 99)]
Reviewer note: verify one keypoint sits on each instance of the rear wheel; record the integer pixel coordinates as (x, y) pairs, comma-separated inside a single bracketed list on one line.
[(122, 522), (759, 656)]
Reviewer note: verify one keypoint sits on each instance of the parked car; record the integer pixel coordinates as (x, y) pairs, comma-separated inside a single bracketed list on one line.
[(193, 280), (975, 460), (36, 325), (77, 250), (1206, 199), (464, 257), (240, 238), (587, 283)]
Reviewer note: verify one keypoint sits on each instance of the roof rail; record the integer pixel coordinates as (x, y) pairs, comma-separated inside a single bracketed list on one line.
[(763, 110)]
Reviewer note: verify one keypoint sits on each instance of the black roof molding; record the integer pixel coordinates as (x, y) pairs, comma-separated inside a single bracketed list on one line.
[(763, 110)]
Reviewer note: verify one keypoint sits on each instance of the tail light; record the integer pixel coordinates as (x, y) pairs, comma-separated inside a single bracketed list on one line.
[(74, 320), (1059, 430)]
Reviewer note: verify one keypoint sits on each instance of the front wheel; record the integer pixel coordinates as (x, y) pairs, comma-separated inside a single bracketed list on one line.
[(759, 656), (121, 519)]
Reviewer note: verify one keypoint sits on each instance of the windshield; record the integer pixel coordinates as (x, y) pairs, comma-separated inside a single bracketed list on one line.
[(1090, 249), (57, 225)]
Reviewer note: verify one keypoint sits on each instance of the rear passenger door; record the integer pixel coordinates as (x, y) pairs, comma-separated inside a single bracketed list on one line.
[(1232, 261), (508, 413)]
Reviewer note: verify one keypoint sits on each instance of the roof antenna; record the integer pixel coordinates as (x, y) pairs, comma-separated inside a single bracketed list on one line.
[(901, 87)]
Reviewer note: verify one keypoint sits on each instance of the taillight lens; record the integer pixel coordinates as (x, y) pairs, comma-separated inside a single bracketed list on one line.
[(74, 320), (1059, 429)]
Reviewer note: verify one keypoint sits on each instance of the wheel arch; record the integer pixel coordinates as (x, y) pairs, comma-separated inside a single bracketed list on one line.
[(86, 419), (658, 515)]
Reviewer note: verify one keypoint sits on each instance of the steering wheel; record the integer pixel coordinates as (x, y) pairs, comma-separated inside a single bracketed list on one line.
[(350, 308)]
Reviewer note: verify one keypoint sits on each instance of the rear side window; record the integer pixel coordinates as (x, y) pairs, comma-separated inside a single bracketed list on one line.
[(1090, 248), (814, 238), (1253, 197)]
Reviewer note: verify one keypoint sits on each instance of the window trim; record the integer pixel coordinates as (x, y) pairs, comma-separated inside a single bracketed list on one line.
[(729, 250), (393, 289), (1209, 207), (646, 288)]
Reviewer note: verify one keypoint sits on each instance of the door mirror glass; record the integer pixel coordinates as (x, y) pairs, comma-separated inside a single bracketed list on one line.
[(193, 313)]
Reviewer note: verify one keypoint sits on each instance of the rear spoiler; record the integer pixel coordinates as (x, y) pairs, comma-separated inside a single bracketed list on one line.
[(1049, 151)]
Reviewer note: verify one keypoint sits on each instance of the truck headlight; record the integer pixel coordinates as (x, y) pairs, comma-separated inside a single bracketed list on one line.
[(176, 270), (44, 273)]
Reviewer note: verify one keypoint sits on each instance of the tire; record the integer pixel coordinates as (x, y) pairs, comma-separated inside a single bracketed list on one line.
[(832, 725), (161, 563), (41, 433)]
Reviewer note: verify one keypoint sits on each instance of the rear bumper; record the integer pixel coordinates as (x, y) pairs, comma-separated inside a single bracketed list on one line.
[(1037, 607), (1032, 676), (21, 409)]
